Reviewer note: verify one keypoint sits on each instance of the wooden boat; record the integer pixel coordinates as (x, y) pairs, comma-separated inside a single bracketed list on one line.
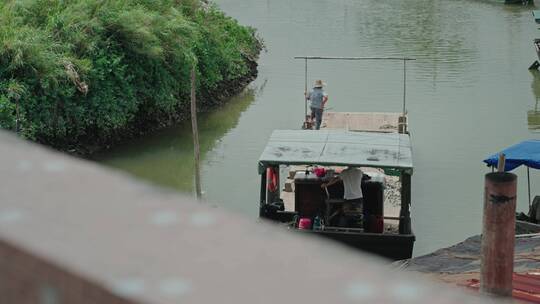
[(304, 150), (378, 143)]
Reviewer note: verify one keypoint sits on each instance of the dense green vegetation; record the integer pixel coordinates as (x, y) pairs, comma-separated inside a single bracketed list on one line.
[(88, 70)]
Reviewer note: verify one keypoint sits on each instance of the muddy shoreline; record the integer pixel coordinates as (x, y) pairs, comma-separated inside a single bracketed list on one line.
[(464, 257)]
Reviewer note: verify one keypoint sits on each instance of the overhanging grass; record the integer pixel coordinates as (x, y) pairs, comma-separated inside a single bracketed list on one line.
[(88, 68)]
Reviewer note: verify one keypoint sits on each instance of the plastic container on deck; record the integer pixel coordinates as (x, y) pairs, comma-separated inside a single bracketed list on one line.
[(319, 171), (304, 223), (373, 206), (376, 224)]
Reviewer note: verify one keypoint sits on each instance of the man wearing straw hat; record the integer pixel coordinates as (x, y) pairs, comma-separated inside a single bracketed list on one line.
[(318, 98)]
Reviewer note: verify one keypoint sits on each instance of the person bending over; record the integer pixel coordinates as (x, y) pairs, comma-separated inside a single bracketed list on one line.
[(352, 185)]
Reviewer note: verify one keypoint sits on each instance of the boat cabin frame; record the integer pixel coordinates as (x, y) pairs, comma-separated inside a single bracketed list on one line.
[(391, 152), (404, 60)]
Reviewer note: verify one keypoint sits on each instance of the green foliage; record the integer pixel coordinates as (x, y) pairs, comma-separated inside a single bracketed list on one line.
[(89, 68), (7, 113)]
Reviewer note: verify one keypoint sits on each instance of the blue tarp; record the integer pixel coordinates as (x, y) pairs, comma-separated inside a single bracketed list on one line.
[(525, 153)]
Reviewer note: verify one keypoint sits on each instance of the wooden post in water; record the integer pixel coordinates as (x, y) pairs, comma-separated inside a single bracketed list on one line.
[(195, 129), (498, 233)]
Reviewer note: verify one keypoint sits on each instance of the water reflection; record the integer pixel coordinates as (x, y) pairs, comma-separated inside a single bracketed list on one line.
[(166, 158), (424, 30), (533, 116)]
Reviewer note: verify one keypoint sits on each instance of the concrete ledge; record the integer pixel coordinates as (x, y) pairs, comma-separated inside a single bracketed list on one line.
[(70, 229)]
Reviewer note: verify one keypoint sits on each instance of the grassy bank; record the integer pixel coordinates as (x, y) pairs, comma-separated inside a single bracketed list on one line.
[(87, 73)]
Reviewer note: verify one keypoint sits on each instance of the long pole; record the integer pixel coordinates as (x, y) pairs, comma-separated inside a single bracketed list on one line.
[(305, 89), (529, 186), (195, 129), (404, 83), (352, 58), (501, 164)]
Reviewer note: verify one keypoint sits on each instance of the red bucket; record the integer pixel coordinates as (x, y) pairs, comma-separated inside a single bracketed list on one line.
[(304, 223), (319, 171)]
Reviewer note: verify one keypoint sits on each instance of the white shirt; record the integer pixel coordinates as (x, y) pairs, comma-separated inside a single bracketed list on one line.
[(352, 183)]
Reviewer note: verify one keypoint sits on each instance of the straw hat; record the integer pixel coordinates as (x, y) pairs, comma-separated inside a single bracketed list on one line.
[(319, 83)]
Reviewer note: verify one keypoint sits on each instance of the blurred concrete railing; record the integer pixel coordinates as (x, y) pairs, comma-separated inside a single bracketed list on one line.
[(74, 232)]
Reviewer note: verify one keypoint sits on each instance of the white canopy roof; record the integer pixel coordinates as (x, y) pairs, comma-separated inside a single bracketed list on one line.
[(338, 147)]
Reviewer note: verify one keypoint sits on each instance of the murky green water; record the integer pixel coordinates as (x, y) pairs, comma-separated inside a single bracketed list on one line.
[(469, 94)]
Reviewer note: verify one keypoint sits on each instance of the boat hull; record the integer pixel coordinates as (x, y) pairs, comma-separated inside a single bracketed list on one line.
[(391, 246), (520, 2)]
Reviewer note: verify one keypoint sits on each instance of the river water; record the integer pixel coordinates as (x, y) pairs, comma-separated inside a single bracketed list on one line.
[(469, 94)]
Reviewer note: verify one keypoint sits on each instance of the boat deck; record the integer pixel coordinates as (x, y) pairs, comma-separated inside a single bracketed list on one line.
[(361, 121)]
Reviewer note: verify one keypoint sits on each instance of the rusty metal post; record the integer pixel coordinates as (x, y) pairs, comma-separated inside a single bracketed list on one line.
[(498, 233)]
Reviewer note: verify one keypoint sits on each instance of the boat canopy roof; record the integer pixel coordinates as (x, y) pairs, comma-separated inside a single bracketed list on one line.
[(525, 153), (390, 151)]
